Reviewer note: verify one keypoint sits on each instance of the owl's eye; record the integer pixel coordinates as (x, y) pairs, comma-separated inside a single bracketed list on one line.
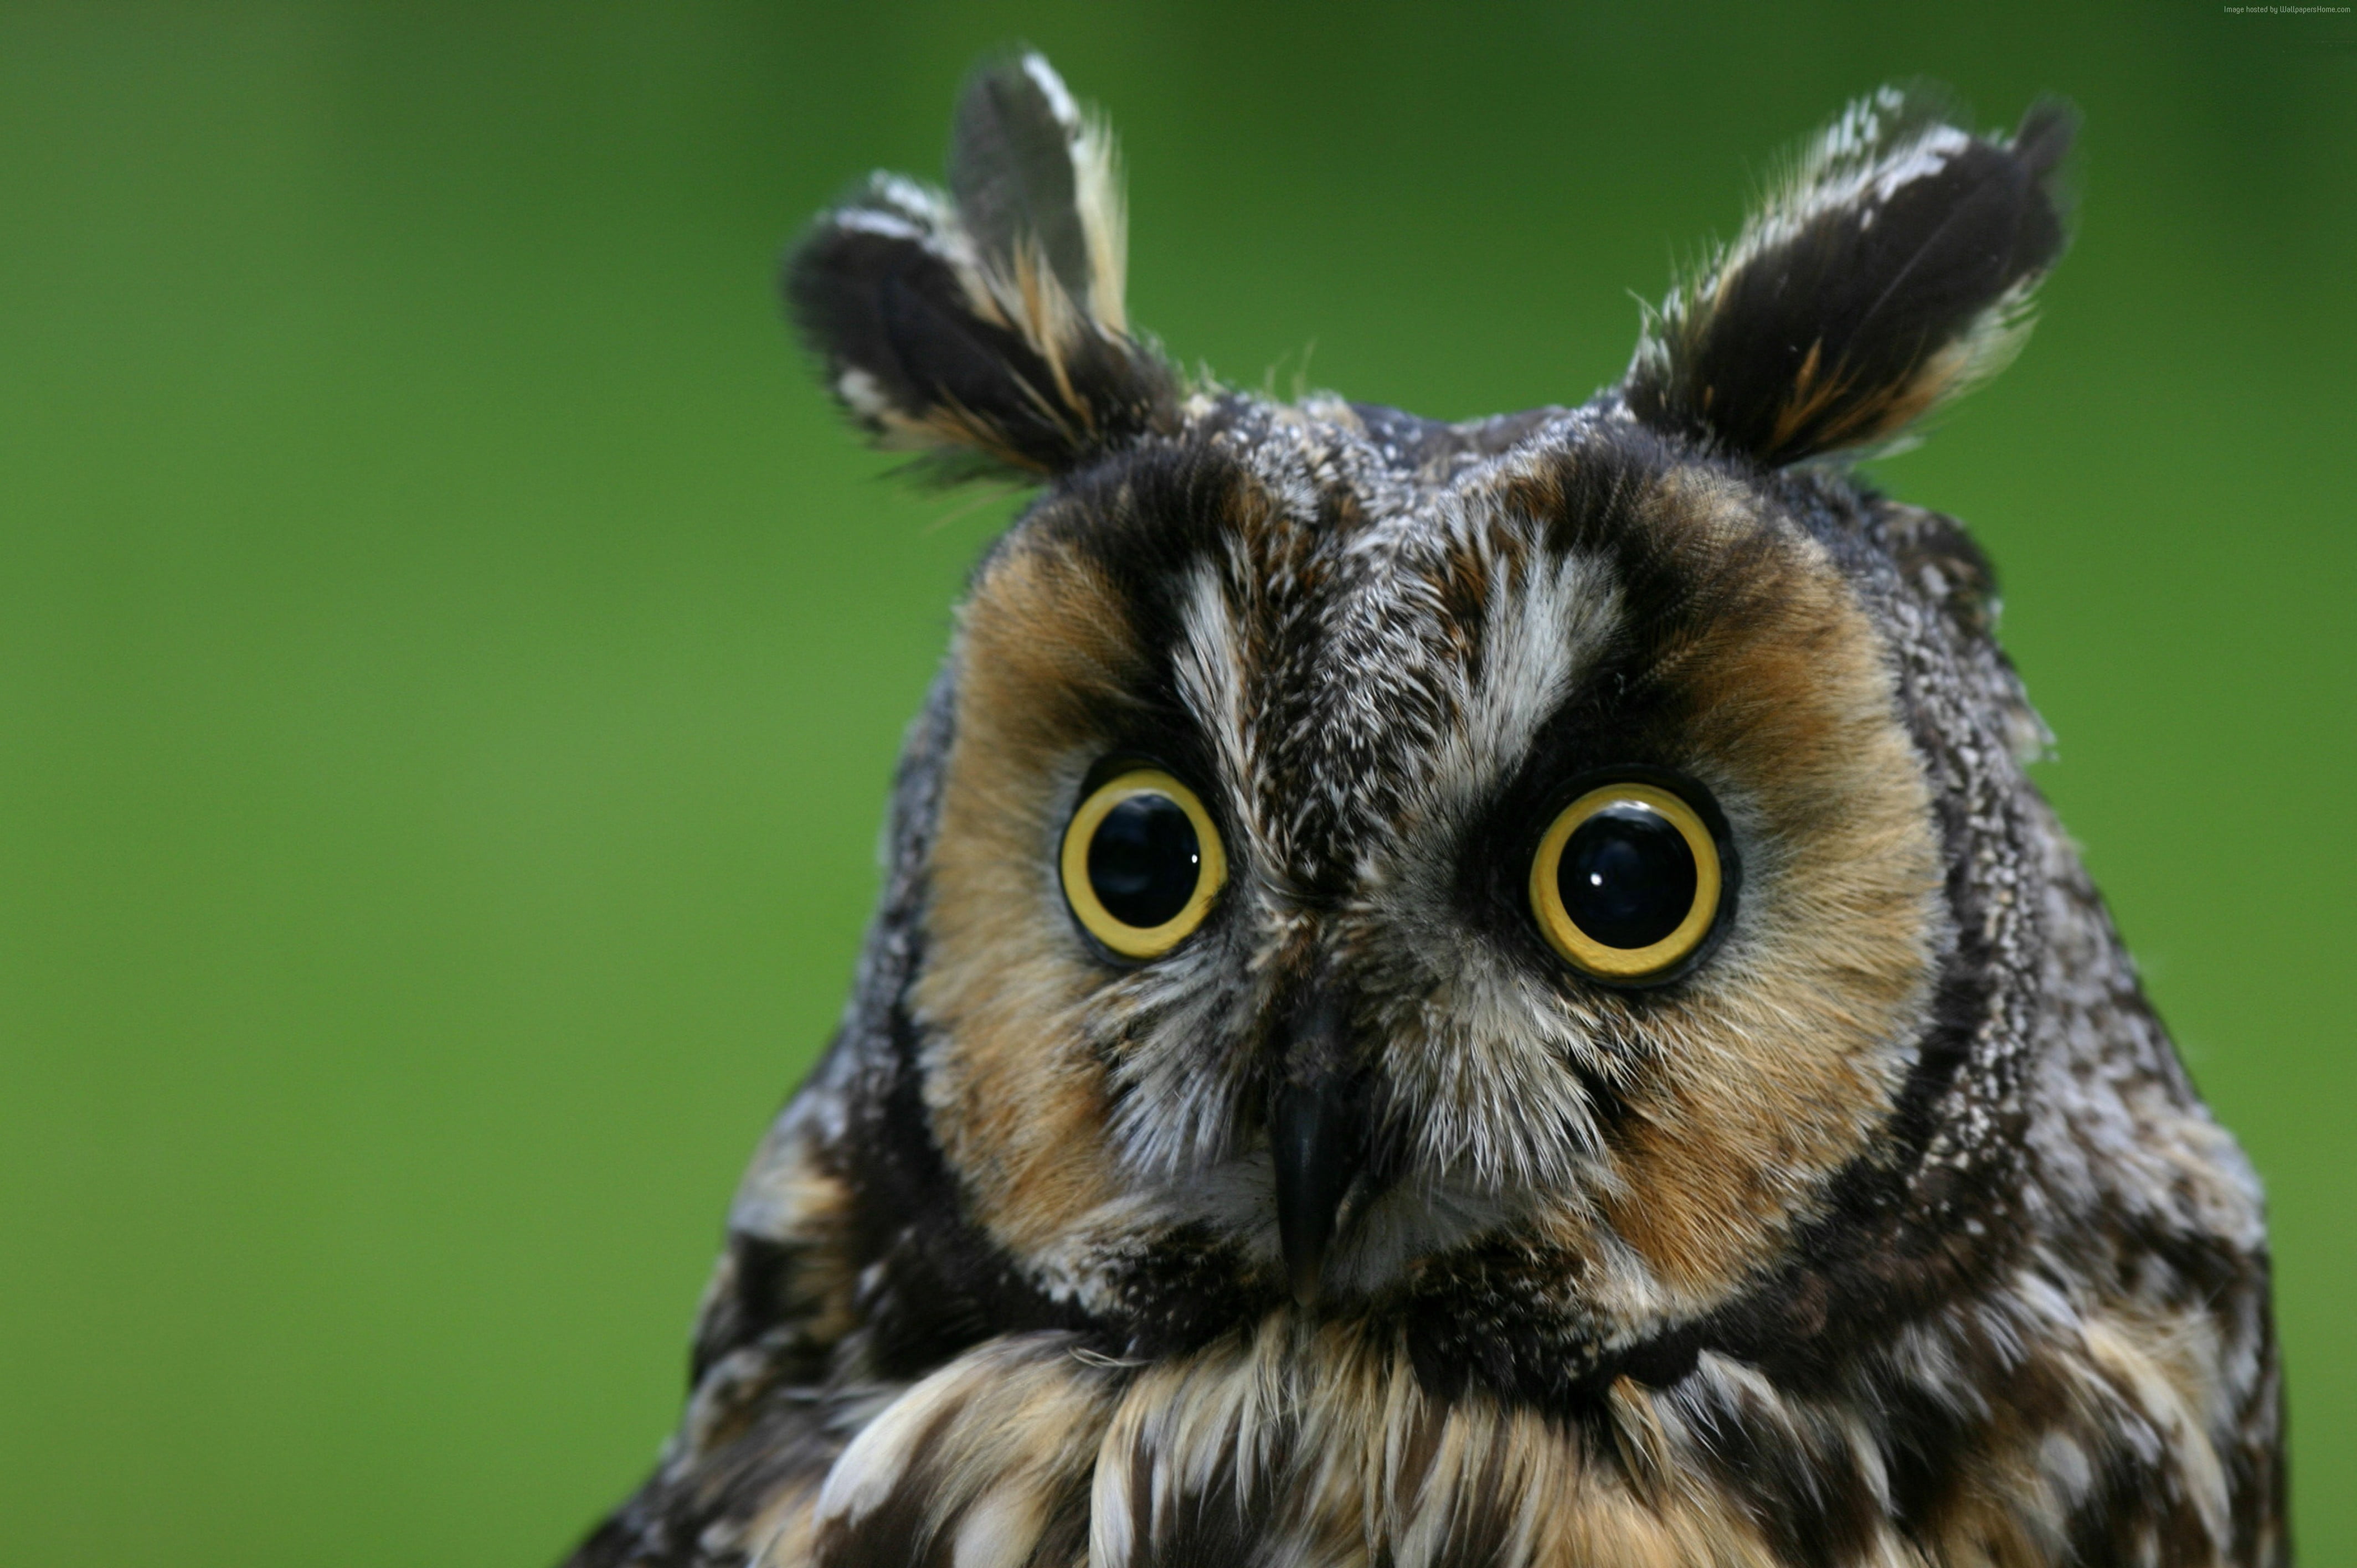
[(1627, 882), (1142, 862)]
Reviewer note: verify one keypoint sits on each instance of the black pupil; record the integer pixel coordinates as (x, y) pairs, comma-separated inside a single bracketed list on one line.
[(1143, 860), (1627, 877)]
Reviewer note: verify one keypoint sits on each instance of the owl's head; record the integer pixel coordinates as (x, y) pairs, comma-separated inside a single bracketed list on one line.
[(1533, 873)]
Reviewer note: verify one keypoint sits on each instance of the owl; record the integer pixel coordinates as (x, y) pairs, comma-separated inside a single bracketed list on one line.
[(1489, 994)]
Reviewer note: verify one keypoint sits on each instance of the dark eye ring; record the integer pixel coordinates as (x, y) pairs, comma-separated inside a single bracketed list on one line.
[(1627, 882), (1142, 862)]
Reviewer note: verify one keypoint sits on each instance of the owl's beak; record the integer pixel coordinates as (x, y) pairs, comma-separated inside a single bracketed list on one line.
[(1317, 1132)]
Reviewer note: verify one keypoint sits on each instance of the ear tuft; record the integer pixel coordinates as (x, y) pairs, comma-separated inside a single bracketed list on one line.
[(1891, 272), (985, 329)]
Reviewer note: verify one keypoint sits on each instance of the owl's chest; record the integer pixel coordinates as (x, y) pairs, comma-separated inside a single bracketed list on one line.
[(1288, 1445)]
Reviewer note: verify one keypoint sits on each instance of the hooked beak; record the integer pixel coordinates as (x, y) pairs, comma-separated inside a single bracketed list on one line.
[(1317, 1132)]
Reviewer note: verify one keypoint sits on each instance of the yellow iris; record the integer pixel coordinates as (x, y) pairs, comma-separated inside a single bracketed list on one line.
[(1627, 881), (1142, 862)]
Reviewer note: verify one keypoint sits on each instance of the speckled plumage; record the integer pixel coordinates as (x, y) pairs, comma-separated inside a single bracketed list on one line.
[(1888, 1230)]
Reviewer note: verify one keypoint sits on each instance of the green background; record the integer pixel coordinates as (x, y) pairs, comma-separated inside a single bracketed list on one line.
[(451, 658)]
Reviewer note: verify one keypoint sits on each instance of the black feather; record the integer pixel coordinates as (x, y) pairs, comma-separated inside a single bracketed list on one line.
[(892, 309), (1854, 306), (1011, 156), (936, 335)]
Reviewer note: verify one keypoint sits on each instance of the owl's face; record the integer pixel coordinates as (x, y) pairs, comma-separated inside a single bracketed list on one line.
[(1440, 874), (1281, 796)]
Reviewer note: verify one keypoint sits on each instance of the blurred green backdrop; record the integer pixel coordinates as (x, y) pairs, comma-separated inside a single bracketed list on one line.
[(450, 656)]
